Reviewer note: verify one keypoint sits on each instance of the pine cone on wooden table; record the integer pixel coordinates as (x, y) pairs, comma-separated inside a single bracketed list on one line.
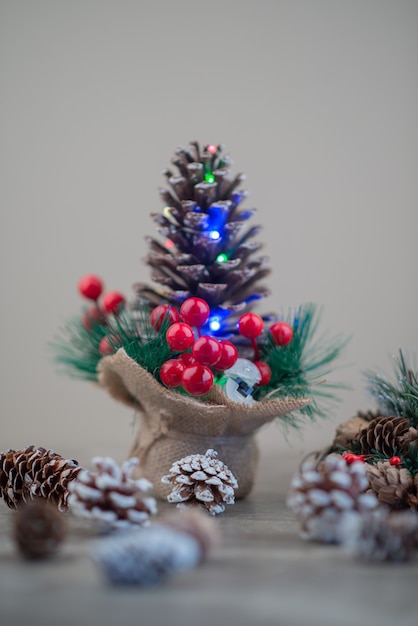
[(323, 497), (36, 472), (110, 496), (201, 479), (39, 529)]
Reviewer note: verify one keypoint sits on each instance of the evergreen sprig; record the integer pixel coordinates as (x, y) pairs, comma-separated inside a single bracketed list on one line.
[(399, 397), (77, 346), (300, 367)]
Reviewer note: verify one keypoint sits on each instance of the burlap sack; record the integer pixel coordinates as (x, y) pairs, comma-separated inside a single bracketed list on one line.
[(173, 425)]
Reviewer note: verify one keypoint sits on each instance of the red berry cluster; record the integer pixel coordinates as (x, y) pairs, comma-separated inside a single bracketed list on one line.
[(350, 457), (192, 369), (91, 288)]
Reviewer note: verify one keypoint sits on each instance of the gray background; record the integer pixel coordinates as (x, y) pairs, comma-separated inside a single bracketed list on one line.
[(316, 101)]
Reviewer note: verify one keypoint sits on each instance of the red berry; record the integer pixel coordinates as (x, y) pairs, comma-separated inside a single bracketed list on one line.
[(113, 301), (395, 460), (107, 345), (197, 379), (92, 317), (250, 325), (350, 457), (229, 355), (180, 336), (162, 312), (282, 333), (187, 358), (90, 286), (171, 372), (195, 311), (206, 350), (265, 372)]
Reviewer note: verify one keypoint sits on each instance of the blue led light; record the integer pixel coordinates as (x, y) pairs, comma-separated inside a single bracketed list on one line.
[(214, 324), (214, 234)]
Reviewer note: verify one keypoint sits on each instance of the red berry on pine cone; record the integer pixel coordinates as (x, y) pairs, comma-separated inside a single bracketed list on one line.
[(206, 350), (162, 312), (195, 311), (282, 333), (113, 302), (171, 372), (197, 379), (90, 286), (180, 336), (265, 372), (395, 460), (250, 325), (107, 346), (229, 355)]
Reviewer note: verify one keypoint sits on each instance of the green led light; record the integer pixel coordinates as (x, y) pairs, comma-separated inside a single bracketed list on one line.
[(221, 258), (209, 177)]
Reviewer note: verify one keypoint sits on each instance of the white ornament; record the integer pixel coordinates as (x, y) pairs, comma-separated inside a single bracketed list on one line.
[(242, 378)]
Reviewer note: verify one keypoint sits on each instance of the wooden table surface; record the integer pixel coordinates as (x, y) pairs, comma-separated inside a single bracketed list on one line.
[(262, 573)]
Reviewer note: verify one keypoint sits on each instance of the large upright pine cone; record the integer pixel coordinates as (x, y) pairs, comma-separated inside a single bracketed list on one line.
[(391, 484), (203, 201), (201, 479), (36, 472), (322, 497), (110, 496), (387, 435)]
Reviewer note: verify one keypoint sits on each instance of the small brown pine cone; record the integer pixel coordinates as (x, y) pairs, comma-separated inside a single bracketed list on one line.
[(36, 472), (39, 529), (387, 435), (201, 479), (383, 536), (349, 431), (412, 497), (323, 497), (392, 485), (110, 496)]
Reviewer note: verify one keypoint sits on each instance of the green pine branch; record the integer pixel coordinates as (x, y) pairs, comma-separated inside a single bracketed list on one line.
[(398, 397), (300, 368)]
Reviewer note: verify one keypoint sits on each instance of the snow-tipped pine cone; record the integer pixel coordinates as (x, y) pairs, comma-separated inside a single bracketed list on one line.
[(322, 497), (36, 472), (392, 485), (110, 496), (383, 536), (201, 479)]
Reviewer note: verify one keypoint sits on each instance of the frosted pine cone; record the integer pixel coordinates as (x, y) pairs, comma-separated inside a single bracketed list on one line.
[(387, 435), (36, 472), (111, 496), (383, 536), (392, 485), (146, 557), (39, 529), (323, 497), (201, 479)]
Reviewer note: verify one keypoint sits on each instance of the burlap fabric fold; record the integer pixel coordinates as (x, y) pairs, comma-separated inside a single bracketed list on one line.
[(173, 425)]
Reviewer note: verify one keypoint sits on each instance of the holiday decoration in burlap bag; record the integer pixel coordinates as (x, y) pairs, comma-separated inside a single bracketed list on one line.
[(174, 425)]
